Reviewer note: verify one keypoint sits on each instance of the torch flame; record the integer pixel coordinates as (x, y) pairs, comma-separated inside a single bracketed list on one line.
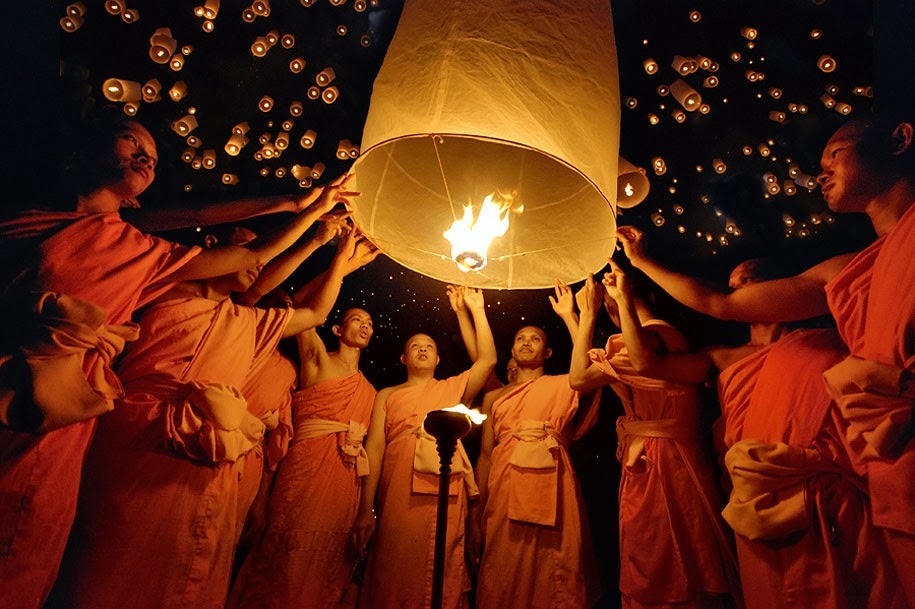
[(470, 240), (476, 417)]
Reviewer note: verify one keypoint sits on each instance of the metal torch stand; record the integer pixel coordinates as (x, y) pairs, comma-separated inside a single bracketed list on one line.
[(446, 450)]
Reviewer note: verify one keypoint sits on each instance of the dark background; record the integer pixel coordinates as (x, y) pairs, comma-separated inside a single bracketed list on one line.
[(53, 78)]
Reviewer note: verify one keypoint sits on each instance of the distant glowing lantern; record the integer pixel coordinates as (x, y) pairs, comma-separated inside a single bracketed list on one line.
[(208, 158), (115, 7), (265, 104), (130, 15), (686, 95), (76, 9), (826, 63), (178, 91), (118, 90), (235, 144), (710, 82), (807, 181), (308, 139), (162, 46), (287, 41), (131, 108), (653, 118), (343, 147), (632, 184), (229, 179), (843, 108), (438, 138), (330, 94), (719, 166), (296, 65), (789, 187), (317, 171), (282, 140), (650, 65), (260, 46), (314, 92), (152, 90), (211, 8), (777, 115), (748, 33), (176, 62), (325, 77), (295, 108), (71, 23), (185, 124)]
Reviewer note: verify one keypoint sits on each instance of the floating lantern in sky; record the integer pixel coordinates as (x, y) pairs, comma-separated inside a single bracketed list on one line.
[(119, 90), (632, 185), (441, 135)]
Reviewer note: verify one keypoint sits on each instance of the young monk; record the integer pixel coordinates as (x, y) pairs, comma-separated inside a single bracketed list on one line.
[(403, 470), (673, 548), (304, 558), (868, 167), (536, 540), (93, 270)]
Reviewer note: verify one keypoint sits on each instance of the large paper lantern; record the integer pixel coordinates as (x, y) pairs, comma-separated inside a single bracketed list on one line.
[(516, 100)]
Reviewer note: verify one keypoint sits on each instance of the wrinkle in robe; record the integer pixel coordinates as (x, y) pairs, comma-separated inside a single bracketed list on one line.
[(674, 547), (146, 509), (399, 566), (526, 564), (103, 260), (304, 560), (832, 558)]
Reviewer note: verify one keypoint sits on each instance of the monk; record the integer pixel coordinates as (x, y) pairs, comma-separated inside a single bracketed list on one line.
[(303, 559), (403, 470), (93, 270), (673, 548), (868, 166), (536, 540)]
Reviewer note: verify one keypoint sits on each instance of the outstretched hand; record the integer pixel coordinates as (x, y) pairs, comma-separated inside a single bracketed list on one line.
[(456, 297), (473, 298), (589, 297), (333, 224), (632, 240), (563, 301), (363, 253), (617, 284), (326, 197)]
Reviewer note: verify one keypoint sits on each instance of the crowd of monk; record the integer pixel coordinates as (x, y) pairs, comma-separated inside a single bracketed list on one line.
[(150, 425)]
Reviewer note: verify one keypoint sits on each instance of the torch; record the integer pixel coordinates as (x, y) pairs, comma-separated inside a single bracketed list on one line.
[(447, 426)]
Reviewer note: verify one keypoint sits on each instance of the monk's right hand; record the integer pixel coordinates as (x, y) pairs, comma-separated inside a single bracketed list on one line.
[(631, 239), (362, 532)]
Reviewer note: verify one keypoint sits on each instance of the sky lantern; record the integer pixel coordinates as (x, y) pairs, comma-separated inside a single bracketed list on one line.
[(504, 113)]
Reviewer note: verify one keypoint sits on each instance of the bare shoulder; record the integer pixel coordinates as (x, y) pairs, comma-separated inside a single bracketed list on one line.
[(495, 394)]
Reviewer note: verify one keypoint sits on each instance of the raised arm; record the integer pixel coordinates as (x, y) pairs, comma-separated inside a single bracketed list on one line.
[(314, 313), (375, 444), (160, 219), (365, 252), (647, 352), (789, 299), (485, 345), (563, 303), (583, 374), (230, 259), (465, 322), (280, 268)]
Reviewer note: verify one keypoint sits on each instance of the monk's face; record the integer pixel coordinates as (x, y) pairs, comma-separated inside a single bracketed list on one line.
[(420, 352), (530, 348), (135, 157), (355, 330), (847, 180)]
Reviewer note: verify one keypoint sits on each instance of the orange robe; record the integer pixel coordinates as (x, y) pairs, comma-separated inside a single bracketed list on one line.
[(803, 523), (304, 560), (674, 548), (537, 549), (103, 260), (873, 302), (400, 562), (162, 506)]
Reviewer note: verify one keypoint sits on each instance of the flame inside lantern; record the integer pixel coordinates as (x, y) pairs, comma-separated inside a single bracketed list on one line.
[(470, 239)]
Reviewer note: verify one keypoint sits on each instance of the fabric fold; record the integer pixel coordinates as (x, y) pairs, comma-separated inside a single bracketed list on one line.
[(349, 440), (63, 373)]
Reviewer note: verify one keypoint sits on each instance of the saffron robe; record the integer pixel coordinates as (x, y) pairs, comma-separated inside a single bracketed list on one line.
[(674, 547), (802, 518), (873, 302), (400, 561), (304, 559), (99, 258), (162, 509), (537, 543)]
